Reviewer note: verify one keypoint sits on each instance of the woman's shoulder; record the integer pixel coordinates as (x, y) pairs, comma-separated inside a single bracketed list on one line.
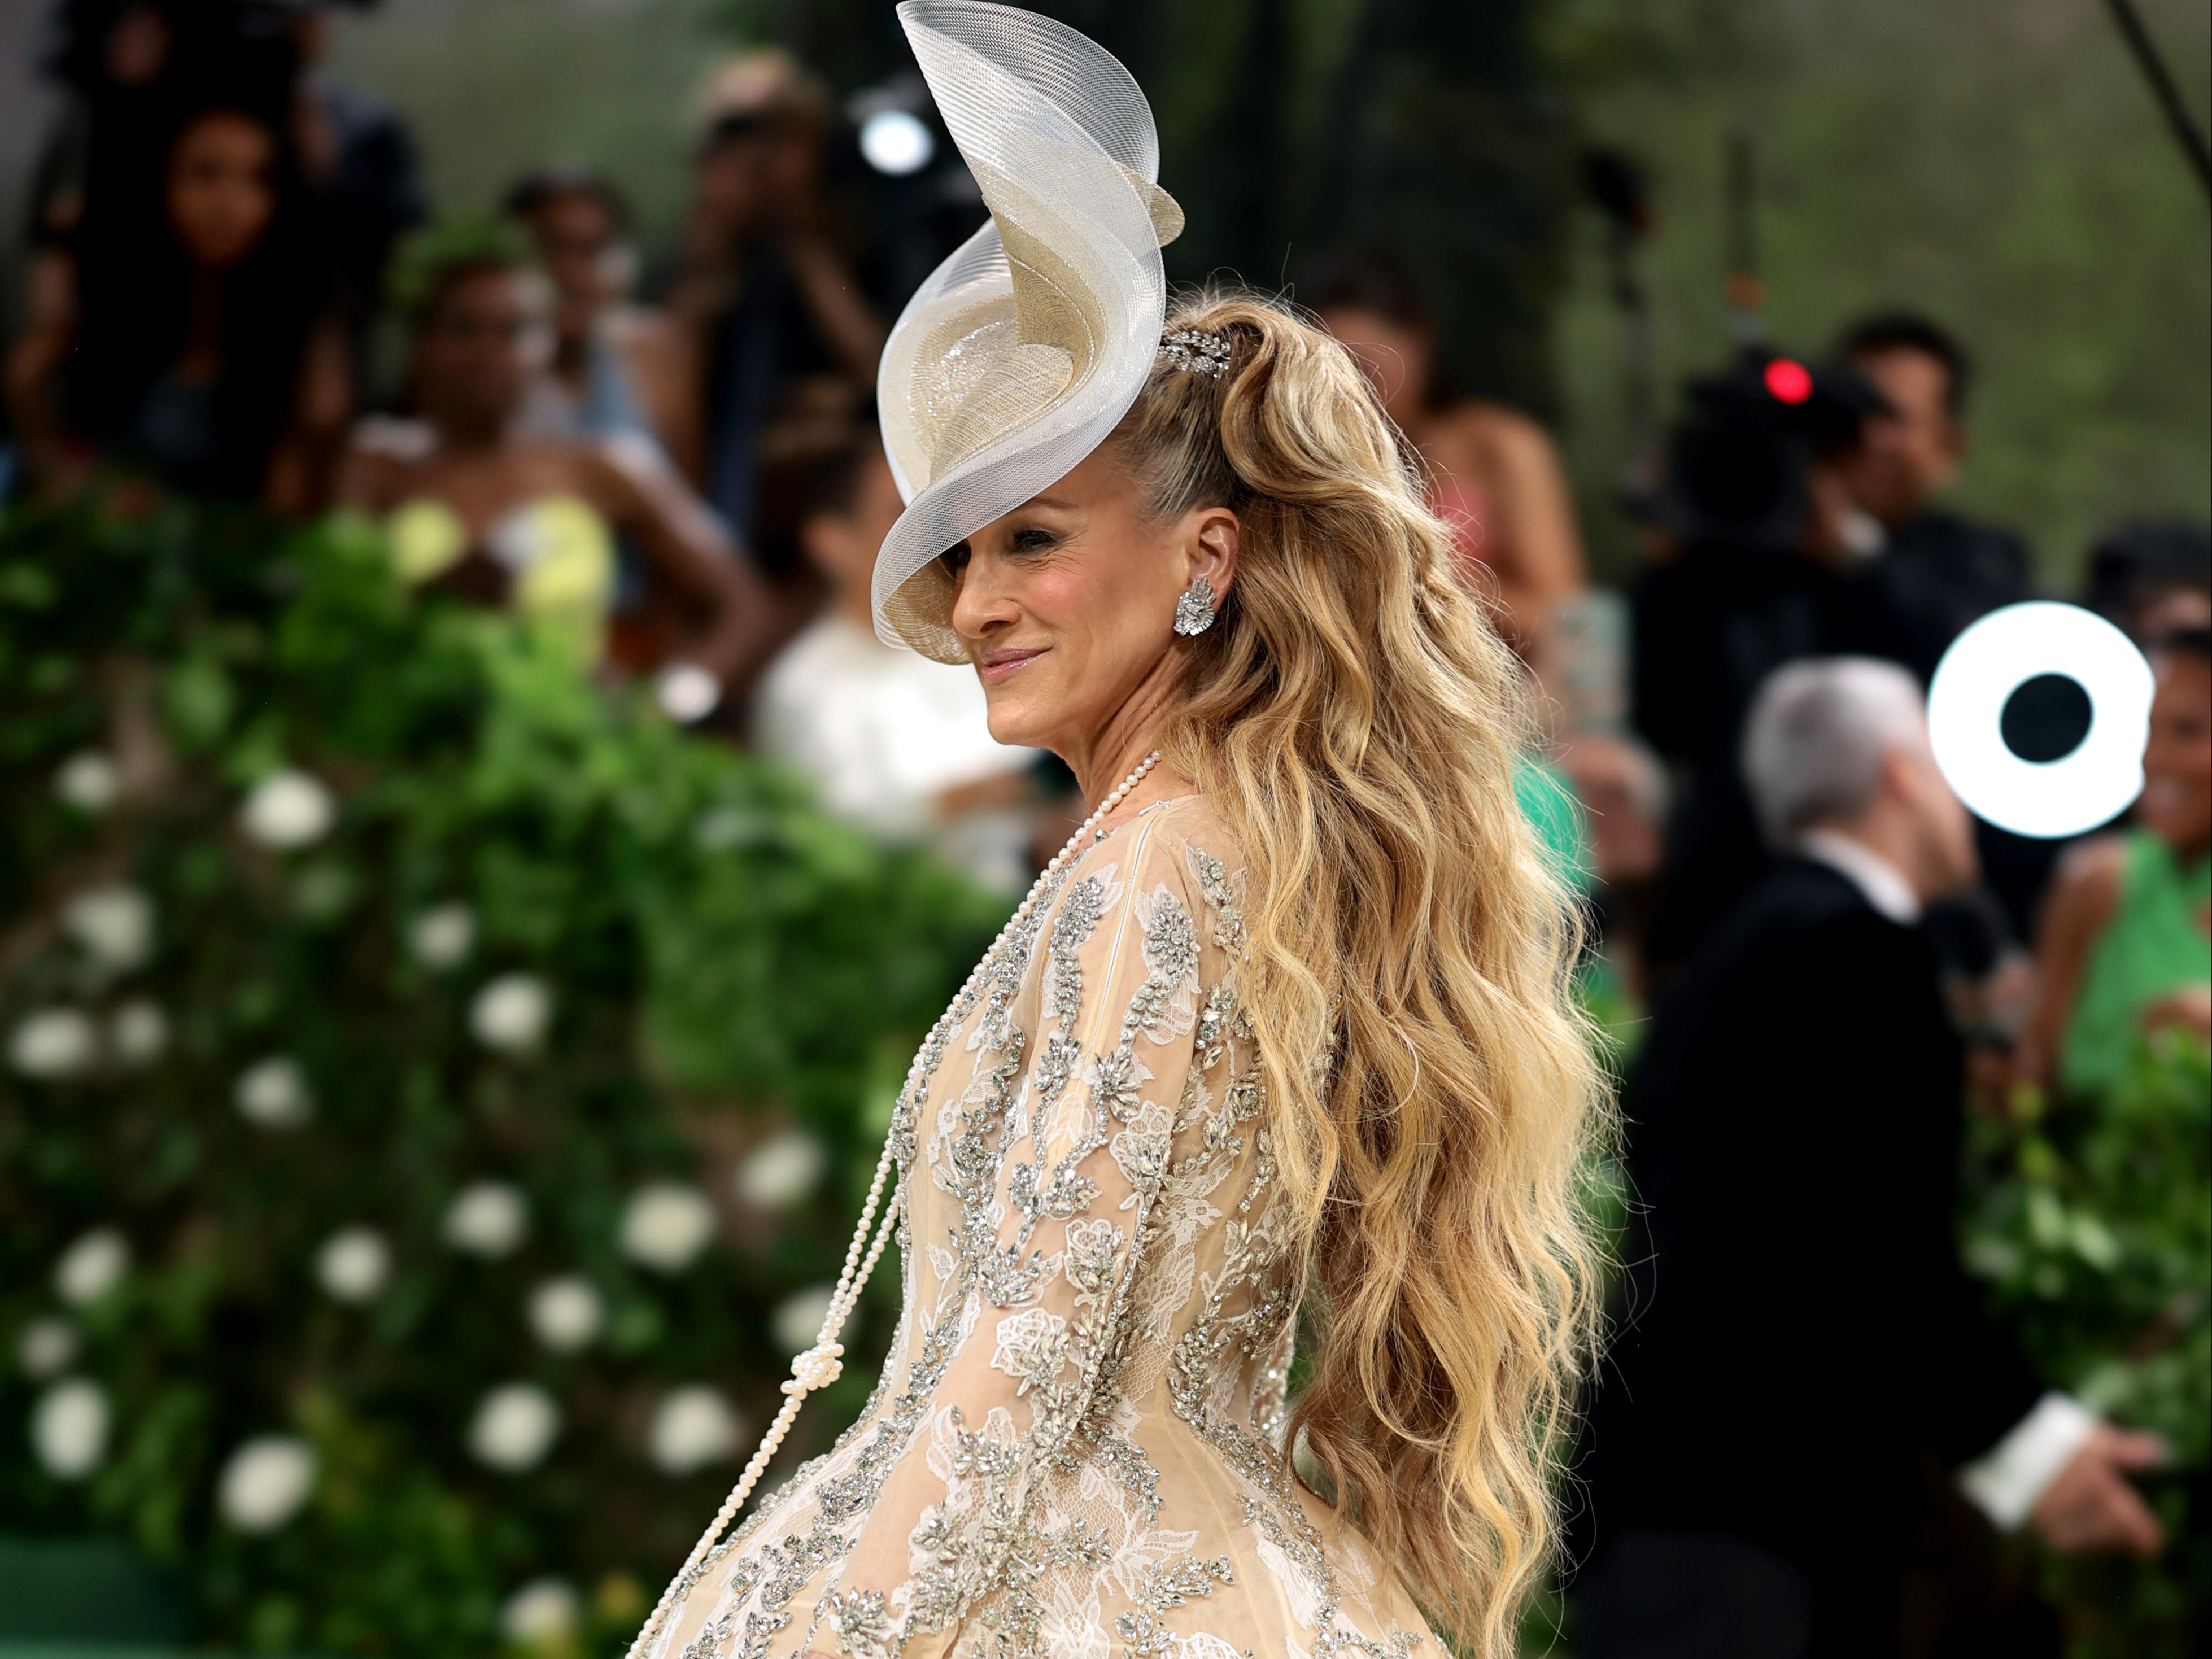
[(1184, 841)]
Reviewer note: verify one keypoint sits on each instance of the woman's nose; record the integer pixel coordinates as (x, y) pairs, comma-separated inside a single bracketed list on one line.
[(976, 609)]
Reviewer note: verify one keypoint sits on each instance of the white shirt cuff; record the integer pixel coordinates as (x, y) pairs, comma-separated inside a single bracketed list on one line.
[(2008, 1481)]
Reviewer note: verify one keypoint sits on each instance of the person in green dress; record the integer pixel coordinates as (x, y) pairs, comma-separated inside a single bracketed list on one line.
[(2126, 941)]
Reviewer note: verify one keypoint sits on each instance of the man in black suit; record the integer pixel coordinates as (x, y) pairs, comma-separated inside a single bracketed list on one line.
[(1929, 573), (1798, 1334)]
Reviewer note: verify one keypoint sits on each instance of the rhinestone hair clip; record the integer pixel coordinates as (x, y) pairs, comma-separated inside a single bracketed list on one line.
[(1197, 353)]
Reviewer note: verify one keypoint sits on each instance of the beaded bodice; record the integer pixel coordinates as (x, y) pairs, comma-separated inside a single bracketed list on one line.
[(1074, 1449)]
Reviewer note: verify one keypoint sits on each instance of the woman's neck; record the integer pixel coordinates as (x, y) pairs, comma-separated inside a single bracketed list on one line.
[(1120, 745)]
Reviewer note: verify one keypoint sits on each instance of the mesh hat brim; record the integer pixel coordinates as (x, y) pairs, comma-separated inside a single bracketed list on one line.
[(1023, 349)]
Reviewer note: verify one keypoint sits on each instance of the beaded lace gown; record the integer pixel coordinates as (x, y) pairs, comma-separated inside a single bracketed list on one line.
[(1074, 1449)]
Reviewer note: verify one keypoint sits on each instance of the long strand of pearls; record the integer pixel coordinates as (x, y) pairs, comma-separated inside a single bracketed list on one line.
[(821, 1364)]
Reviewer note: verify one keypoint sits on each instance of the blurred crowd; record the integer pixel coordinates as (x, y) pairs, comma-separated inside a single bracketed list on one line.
[(236, 289)]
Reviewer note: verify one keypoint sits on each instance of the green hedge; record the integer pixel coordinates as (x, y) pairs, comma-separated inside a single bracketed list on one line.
[(318, 906), (2092, 1221)]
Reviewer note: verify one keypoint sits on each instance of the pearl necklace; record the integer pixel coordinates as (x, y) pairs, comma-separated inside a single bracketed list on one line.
[(821, 1364)]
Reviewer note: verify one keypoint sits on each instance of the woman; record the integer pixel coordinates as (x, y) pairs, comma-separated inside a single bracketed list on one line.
[(476, 509), (617, 368), (1286, 1022), (196, 345), (2126, 943), (1493, 474)]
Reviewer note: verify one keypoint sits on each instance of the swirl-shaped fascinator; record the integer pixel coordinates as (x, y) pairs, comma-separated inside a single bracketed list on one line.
[(1025, 347)]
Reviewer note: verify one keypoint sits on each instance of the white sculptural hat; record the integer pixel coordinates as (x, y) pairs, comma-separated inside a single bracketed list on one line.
[(1025, 347)]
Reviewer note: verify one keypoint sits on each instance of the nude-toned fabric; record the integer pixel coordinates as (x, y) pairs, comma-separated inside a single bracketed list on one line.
[(1074, 1449)]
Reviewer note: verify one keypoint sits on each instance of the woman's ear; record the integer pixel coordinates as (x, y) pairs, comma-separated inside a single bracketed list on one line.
[(1213, 538)]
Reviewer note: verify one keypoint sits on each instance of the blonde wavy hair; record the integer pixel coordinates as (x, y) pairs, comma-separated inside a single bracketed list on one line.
[(1431, 1090)]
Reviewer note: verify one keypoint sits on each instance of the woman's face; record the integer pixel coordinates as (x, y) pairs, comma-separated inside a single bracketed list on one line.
[(1066, 606), (220, 198), (476, 349), (2176, 804), (579, 245)]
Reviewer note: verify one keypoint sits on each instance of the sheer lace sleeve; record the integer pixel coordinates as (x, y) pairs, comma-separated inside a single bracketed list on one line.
[(1047, 1243)]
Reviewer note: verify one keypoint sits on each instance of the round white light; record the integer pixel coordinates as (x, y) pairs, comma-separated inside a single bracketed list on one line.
[(115, 926), (54, 1042), (894, 142), (511, 1012), (486, 1218), (442, 935), (273, 1094), (782, 1170), (265, 1482), (355, 1265), (89, 782), (289, 809), (664, 1225), (692, 1427), (138, 1033), (514, 1427), (92, 1266), (46, 1347), (69, 1429), (1994, 659), (567, 1313), (687, 692), (543, 1614)]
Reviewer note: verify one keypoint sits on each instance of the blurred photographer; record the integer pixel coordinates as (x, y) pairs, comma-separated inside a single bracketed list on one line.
[(762, 294), (1938, 571), (1760, 548)]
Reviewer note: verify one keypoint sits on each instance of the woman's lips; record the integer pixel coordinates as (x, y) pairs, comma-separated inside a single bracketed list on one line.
[(998, 665)]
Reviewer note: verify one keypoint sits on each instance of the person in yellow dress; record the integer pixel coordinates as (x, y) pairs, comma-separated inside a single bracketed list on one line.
[(475, 508)]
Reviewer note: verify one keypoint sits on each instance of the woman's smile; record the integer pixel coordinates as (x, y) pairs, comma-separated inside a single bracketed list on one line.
[(1001, 663)]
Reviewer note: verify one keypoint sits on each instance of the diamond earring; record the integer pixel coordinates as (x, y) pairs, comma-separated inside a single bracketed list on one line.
[(1194, 609)]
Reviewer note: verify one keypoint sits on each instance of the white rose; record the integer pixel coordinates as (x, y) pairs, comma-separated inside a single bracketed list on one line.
[(46, 1347), (138, 1032), (543, 1613), (692, 1427), (89, 782), (511, 1013), (567, 1313), (514, 1427), (115, 925), (797, 1322), (486, 1218), (69, 1429), (355, 1265), (289, 809), (782, 1170), (273, 1094), (665, 1225), (53, 1042), (92, 1266), (442, 935), (266, 1482)]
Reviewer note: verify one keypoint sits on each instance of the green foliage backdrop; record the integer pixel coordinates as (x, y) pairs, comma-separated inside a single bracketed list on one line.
[(323, 915), (2092, 1220)]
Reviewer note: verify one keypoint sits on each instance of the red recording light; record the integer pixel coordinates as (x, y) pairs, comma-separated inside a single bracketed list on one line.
[(1788, 380)]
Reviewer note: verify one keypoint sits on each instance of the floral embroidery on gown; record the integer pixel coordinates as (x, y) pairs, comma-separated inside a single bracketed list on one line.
[(1074, 1447)]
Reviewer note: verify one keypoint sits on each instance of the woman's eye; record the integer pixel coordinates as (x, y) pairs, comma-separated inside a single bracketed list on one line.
[(955, 559), (1033, 540)]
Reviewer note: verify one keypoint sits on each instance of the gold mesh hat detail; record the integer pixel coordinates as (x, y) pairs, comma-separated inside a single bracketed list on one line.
[(1025, 347)]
